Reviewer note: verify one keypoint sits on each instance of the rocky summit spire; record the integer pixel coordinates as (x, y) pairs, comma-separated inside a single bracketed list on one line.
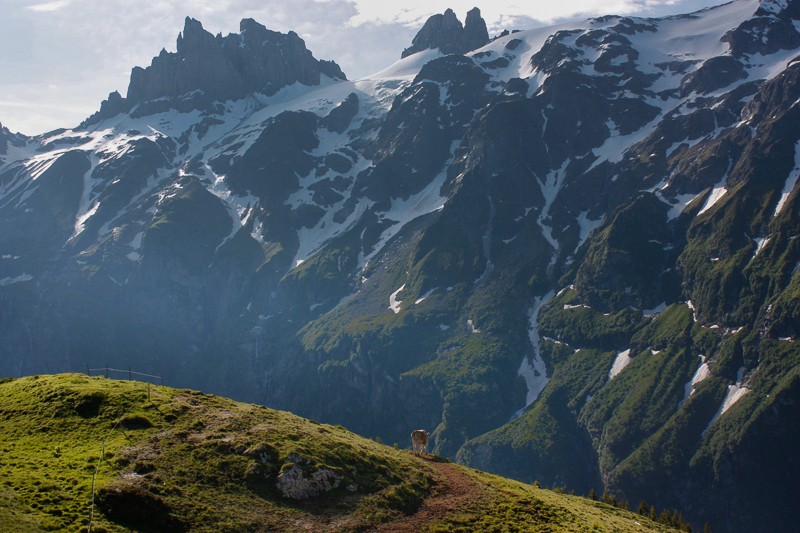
[(254, 60), (445, 32), (475, 32), (3, 140)]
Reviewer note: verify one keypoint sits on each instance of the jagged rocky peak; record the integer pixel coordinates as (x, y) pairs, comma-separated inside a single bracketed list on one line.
[(8, 137), (222, 68), (445, 32), (3, 139), (475, 32)]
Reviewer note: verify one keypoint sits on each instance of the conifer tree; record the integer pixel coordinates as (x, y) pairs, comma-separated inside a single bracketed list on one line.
[(642, 510)]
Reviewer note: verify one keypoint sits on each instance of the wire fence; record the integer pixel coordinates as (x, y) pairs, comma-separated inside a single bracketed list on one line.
[(111, 373)]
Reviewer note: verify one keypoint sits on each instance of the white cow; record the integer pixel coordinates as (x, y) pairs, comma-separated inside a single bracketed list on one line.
[(419, 441)]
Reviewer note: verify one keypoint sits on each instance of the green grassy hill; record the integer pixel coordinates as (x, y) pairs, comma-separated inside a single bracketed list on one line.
[(183, 460)]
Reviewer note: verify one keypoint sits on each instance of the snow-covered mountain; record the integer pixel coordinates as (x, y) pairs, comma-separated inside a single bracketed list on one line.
[(571, 251)]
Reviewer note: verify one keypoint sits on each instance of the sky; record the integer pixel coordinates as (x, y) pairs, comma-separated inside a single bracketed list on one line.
[(60, 58)]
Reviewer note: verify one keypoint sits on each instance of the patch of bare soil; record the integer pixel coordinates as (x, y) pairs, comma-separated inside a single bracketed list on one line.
[(455, 490)]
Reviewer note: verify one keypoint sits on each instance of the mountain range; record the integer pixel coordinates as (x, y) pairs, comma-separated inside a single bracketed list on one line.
[(571, 252)]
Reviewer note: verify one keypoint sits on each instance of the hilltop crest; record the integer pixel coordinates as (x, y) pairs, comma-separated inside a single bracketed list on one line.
[(180, 460)]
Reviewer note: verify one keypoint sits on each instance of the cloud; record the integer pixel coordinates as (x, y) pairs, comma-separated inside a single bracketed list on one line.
[(415, 11), (49, 6)]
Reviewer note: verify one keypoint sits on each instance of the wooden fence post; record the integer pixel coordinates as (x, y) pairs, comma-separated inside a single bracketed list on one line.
[(91, 510)]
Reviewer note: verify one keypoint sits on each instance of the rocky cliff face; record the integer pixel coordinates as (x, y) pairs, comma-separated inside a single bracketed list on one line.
[(225, 68), (572, 253), (9, 141), (207, 68), (445, 32)]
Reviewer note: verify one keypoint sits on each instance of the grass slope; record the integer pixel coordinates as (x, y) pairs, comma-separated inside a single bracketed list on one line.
[(184, 460)]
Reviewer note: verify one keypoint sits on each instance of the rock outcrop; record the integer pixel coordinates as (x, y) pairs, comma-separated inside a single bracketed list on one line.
[(340, 117), (3, 139), (113, 105), (305, 482), (255, 60), (475, 32), (445, 32), (207, 68), (7, 137)]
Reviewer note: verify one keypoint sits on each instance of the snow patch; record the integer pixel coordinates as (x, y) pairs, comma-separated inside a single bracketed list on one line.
[(394, 303), (586, 226), (550, 188), (409, 66), (760, 242), (424, 297), (38, 165), (565, 289), (136, 243), (691, 306), (680, 203), (18, 279), (533, 369), (790, 183), (616, 145), (576, 306), (702, 372), (660, 308), (428, 200), (716, 195), (735, 393), (88, 205), (622, 360), (80, 223)]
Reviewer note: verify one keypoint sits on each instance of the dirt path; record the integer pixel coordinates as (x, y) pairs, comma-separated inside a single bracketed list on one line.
[(453, 492)]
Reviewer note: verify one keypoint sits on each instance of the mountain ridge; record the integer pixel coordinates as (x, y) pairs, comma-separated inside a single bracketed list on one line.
[(207, 68)]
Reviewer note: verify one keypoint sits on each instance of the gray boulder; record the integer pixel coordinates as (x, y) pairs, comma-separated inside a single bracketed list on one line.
[(299, 484)]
